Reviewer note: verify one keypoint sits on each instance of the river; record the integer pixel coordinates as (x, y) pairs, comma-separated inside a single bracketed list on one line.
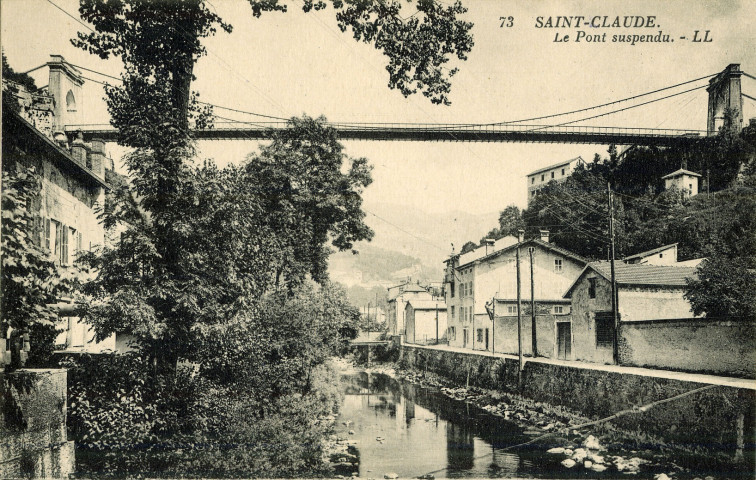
[(410, 430)]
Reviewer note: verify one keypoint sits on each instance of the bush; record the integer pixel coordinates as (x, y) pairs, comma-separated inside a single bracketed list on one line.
[(127, 423)]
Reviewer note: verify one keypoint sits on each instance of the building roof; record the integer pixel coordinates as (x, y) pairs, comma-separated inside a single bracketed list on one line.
[(648, 253), (413, 287), (639, 275), (680, 172), (556, 165), (532, 241), (19, 130), (427, 304)]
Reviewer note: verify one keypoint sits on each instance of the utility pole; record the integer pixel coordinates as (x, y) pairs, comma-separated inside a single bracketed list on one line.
[(436, 323), (493, 325), (519, 319), (615, 316), (532, 306)]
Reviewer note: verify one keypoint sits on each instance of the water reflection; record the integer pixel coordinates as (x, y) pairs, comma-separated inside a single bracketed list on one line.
[(410, 430)]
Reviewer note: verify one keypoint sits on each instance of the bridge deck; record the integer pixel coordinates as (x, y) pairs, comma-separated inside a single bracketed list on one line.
[(443, 133)]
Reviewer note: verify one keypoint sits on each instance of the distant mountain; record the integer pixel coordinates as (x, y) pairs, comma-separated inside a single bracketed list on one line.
[(424, 235), (408, 242)]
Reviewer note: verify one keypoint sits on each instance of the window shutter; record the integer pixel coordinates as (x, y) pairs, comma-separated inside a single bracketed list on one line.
[(64, 246), (46, 234)]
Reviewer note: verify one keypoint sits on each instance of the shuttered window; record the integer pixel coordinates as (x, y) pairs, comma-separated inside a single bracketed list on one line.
[(604, 329)]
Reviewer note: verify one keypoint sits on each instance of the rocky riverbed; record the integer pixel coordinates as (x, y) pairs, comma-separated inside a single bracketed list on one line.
[(599, 451)]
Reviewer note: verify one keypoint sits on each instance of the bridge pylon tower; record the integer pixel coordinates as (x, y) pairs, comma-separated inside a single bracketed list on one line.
[(725, 93)]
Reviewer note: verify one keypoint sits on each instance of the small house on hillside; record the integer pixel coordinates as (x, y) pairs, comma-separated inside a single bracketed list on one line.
[(425, 321), (645, 292), (666, 255), (684, 180)]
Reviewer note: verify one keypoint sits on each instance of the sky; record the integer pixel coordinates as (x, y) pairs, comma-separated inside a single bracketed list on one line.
[(295, 63)]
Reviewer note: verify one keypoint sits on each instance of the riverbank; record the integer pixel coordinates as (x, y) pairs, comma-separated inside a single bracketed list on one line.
[(556, 431)]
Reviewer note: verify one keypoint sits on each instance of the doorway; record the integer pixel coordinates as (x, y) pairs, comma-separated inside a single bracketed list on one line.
[(564, 341)]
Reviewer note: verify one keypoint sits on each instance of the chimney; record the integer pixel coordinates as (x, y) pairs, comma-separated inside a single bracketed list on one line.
[(520, 235), (545, 236), (79, 151), (490, 244), (97, 157)]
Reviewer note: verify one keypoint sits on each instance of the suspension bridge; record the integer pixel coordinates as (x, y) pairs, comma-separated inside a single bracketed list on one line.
[(724, 89)]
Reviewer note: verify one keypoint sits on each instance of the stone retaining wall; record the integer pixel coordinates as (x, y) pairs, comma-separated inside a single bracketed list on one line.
[(33, 439), (715, 420)]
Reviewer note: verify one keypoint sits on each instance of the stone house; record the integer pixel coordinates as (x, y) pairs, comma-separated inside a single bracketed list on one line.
[(73, 182), (399, 295), (558, 172), (683, 180), (472, 286), (645, 292), (425, 321)]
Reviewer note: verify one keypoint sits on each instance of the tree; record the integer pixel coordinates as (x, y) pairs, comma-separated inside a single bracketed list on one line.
[(21, 78), (468, 247), (307, 199), (159, 42), (724, 287)]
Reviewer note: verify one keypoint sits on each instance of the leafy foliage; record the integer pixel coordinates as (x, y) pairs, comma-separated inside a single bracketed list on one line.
[(31, 281), (298, 183), (418, 46), (468, 247), (24, 79), (725, 287)]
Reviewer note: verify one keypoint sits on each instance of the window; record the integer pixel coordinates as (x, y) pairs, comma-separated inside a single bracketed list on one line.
[(542, 177), (563, 172), (532, 180), (451, 289), (592, 287), (558, 265), (531, 250), (558, 310), (465, 337), (661, 255), (452, 311), (70, 101), (552, 174), (512, 309), (604, 329), (452, 333), (480, 334)]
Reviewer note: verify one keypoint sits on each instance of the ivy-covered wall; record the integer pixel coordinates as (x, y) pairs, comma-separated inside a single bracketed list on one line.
[(33, 437)]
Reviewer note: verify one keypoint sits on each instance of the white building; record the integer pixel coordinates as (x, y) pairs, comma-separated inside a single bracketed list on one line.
[(557, 173), (684, 180)]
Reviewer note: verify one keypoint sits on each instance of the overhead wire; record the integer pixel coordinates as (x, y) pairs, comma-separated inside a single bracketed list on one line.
[(618, 110), (70, 15), (628, 411)]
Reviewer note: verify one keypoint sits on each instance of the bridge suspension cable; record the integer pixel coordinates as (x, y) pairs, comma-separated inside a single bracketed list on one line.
[(622, 109)]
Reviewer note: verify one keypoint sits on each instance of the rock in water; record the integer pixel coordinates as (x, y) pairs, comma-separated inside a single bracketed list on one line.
[(569, 463), (598, 468), (555, 450), (661, 476), (391, 476), (588, 464), (592, 443), (579, 455)]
